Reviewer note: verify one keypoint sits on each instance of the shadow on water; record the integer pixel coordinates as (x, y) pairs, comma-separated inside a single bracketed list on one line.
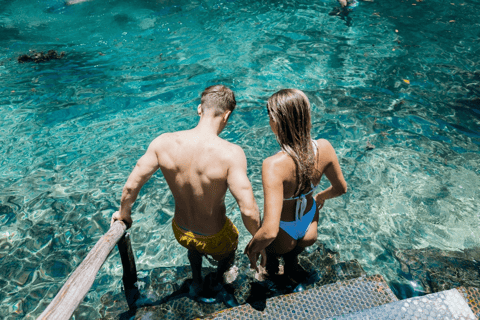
[(9, 33)]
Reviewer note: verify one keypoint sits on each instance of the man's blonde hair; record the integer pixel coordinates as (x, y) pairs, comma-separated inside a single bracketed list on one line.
[(218, 98)]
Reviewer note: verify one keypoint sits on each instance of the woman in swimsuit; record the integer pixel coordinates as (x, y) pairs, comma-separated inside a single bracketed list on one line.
[(289, 177)]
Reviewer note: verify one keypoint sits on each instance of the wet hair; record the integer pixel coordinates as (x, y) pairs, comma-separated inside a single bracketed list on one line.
[(290, 110), (218, 98)]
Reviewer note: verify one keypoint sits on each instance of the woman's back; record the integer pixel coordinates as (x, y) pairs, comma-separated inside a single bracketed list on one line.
[(284, 172)]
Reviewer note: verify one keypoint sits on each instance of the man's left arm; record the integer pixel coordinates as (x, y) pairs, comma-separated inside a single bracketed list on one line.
[(144, 169), (241, 189)]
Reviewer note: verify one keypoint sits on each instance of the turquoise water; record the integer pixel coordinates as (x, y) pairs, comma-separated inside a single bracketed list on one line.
[(403, 76)]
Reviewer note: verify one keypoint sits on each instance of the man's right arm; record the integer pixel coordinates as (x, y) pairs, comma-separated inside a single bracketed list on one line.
[(241, 189), (144, 169)]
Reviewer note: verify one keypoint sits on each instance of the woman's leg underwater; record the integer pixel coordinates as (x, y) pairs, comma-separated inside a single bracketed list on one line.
[(292, 268)]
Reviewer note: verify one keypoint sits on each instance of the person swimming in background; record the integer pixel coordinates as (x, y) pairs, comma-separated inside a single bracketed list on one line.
[(349, 4), (346, 6), (199, 167), (289, 179)]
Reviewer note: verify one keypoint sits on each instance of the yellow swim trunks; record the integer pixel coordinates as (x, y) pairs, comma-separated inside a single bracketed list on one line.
[(219, 245)]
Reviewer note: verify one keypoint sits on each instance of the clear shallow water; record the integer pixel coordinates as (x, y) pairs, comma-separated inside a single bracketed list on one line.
[(71, 130)]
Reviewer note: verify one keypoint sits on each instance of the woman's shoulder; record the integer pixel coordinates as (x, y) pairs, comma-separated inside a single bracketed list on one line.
[(279, 158), (324, 146), (323, 143), (325, 150), (280, 163)]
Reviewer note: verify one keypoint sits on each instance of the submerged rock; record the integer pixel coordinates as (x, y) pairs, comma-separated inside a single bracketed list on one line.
[(370, 146), (439, 270), (40, 56)]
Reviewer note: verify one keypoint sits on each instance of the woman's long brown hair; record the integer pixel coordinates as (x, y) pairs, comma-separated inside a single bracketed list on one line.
[(290, 110)]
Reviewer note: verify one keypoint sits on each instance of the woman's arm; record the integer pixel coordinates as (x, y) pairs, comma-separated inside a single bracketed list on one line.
[(334, 175), (272, 180)]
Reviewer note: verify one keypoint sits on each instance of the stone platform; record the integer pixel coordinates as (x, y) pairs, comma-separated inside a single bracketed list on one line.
[(448, 304), (363, 298), (318, 303), (359, 299)]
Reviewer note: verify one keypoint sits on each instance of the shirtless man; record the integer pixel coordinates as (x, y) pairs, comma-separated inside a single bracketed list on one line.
[(199, 167)]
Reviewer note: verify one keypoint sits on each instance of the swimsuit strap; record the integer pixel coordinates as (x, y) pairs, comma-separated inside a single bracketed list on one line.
[(302, 195), (300, 207), (301, 204), (316, 147)]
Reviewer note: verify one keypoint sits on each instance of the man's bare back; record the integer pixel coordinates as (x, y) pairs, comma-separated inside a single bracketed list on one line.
[(196, 166)]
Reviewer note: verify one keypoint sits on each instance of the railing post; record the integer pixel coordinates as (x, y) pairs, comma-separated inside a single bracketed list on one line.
[(129, 269)]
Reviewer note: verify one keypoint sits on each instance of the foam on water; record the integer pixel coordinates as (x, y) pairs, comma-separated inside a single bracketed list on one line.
[(403, 78)]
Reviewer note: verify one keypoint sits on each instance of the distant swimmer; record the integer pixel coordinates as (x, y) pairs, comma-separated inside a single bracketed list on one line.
[(350, 4), (199, 168), (345, 7), (60, 6)]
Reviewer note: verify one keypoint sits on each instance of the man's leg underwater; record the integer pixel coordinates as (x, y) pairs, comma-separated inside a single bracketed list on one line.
[(218, 283), (196, 288), (195, 259), (223, 266)]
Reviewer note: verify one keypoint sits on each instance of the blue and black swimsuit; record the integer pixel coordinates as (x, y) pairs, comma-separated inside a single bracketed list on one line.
[(298, 228)]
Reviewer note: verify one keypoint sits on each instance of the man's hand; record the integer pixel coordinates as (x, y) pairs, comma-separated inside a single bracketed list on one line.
[(253, 257), (126, 219)]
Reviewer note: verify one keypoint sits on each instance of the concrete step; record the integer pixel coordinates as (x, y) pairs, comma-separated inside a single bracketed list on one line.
[(450, 304), (472, 296), (360, 299), (318, 303)]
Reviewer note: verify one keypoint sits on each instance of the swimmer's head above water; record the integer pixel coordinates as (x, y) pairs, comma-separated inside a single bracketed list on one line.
[(346, 6), (349, 4)]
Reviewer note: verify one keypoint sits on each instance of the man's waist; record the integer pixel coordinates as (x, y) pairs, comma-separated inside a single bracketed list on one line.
[(207, 231)]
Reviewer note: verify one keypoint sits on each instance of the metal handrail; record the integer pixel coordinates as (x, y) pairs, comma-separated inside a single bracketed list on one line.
[(81, 280)]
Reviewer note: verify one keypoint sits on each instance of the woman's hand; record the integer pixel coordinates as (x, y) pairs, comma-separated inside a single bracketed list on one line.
[(253, 256), (320, 202)]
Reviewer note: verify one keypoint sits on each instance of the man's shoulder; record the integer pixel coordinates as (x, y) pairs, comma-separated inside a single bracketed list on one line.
[(230, 149), (229, 154), (166, 139)]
